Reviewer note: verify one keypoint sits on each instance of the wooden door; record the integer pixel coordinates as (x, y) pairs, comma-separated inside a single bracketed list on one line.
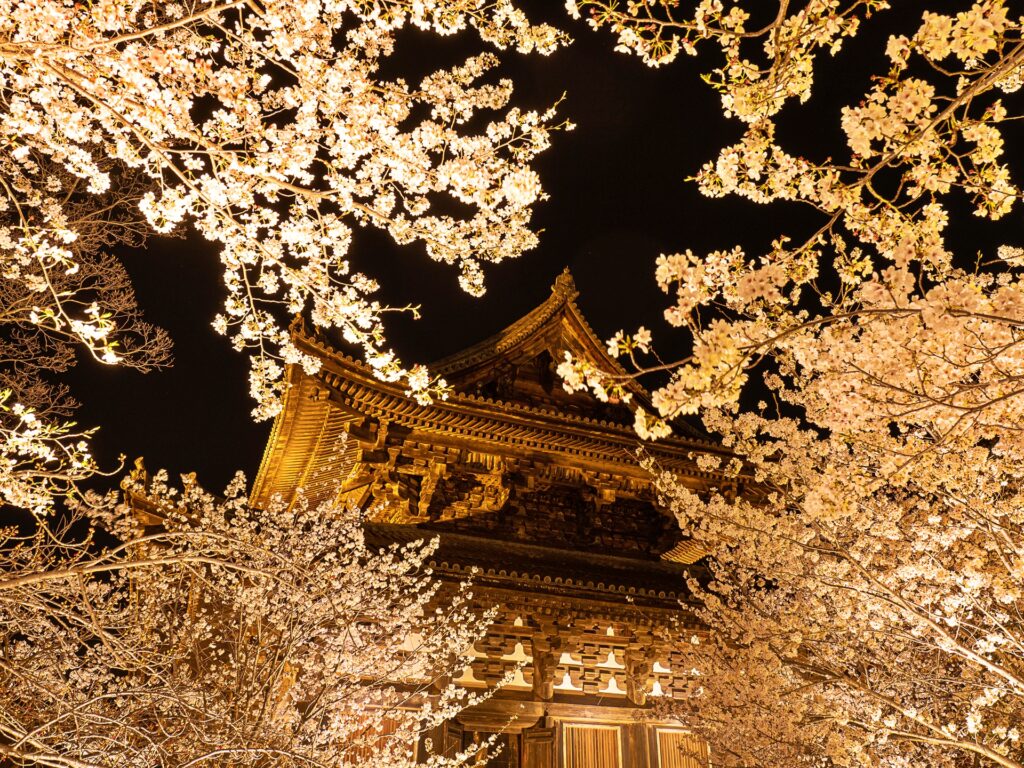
[(539, 748)]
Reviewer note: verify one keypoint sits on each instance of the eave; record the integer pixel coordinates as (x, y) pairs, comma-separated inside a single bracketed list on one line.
[(306, 449)]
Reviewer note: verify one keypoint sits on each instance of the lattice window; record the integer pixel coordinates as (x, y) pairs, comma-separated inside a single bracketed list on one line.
[(591, 746), (681, 749)]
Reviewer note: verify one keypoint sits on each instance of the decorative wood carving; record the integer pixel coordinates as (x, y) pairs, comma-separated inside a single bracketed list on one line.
[(535, 494)]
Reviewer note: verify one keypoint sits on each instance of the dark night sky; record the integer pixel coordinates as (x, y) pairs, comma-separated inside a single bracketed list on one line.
[(618, 199)]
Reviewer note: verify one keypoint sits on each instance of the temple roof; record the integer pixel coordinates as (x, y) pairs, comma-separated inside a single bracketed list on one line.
[(518, 362), (496, 564), (345, 435)]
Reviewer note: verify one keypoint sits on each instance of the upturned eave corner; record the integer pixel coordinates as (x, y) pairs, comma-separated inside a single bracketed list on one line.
[(273, 453), (297, 444)]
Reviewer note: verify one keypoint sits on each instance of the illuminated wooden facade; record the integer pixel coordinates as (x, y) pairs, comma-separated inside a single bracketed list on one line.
[(540, 492)]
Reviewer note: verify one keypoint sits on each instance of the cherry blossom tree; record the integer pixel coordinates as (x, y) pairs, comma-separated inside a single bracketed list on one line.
[(268, 127), (879, 252), (218, 634), (49, 311), (866, 543)]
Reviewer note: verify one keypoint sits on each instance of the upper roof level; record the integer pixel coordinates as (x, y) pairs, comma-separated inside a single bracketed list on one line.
[(517, 364), (508, 430)]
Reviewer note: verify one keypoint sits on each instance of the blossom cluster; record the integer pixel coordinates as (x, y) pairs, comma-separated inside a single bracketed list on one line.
[(245, 634), (862, 593), (40, 457), (659, 31), (270, 129)]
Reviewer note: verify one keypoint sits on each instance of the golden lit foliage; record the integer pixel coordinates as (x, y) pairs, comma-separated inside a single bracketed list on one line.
[(217, 634), (864, 594)]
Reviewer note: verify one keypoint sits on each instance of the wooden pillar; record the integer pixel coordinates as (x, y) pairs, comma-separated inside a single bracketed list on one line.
[(636, 750)]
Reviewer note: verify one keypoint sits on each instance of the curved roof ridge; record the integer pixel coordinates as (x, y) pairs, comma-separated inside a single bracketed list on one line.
[(561, 304), (563, 293), (328, 352)]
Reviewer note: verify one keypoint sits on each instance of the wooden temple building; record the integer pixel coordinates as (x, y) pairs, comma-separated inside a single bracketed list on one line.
[(539, 490)]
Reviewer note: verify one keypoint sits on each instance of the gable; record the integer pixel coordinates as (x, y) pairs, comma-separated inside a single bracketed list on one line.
[(518, 364)]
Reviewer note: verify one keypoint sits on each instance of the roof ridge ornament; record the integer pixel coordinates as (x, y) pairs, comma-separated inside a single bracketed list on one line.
[(565, 286)]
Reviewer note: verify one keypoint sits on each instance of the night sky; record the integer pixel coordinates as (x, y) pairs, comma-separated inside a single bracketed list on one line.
[(618, 198)]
